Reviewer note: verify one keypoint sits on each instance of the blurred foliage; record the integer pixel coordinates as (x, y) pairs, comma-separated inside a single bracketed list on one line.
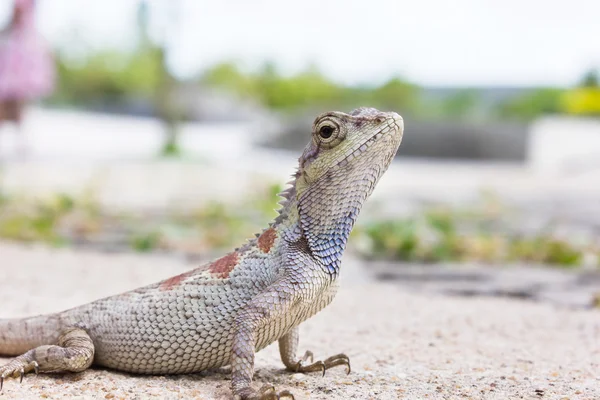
[(432, 236), (474, 235), (219, 226), (394, 94), (582, 101), (532, 104), (596, 301), (120, 80), (115, 78), (66, 220), (545, 249), (591, 79), (166, 106), (48, 220), (585, 99), (145, 242), (303, 90), (309, 88), (107, 76), (463, 104)]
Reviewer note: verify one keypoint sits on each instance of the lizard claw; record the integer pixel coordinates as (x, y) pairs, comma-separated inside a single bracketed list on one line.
[(333, 361), (17, 368), (338, 359), (307, 355), (268, 393), (285, 393), (314, 366)]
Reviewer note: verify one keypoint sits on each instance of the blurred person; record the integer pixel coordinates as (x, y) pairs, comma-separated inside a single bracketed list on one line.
[(26, 66)]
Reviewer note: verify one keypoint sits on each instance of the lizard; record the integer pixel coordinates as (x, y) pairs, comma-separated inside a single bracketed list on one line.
[(223, 312)]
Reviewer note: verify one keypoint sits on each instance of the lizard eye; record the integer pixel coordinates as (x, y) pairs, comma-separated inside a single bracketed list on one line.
[(326, 131)]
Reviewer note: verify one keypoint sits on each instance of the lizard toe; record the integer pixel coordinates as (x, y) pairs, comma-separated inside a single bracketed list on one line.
[(268, 392), (17, 368), (316, 366), (338, 359), (307, 355), (330, 362)]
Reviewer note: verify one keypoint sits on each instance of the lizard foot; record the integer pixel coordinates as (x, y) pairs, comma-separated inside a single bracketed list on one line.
[(18, 368), (267, 392), (333, 361), (74, 352)]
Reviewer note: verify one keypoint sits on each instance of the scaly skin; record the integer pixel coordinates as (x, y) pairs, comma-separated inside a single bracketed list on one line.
[(223, 312)]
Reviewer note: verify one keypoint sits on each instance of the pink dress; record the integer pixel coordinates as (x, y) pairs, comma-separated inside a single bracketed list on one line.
[(26, 65)]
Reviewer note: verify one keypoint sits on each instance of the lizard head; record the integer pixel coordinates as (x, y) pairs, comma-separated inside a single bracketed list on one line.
[(348, 144), (338, 170)]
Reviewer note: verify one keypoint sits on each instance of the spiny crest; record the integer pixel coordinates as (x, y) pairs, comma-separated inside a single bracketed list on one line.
[(286, 195)]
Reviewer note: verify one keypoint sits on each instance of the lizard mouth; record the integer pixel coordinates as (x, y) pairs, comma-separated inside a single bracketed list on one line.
[(393, 130)]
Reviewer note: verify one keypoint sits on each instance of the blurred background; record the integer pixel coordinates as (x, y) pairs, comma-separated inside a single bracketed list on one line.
[(169, 126)]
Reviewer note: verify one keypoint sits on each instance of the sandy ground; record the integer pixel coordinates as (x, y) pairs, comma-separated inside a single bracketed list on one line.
[(402, 345)]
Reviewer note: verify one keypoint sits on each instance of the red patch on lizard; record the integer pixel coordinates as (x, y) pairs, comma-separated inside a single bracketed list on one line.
[(224, 265), (175, 280), (266, 240)]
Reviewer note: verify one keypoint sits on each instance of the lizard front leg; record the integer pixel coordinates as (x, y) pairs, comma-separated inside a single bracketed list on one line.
[(74, 352), (262, 309), (288, 346)]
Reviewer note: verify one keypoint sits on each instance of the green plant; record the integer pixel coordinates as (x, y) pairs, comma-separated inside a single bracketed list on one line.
[(146, 242), (544, 249), (439, 235), (530, 105), (170, 149), (38, 219)]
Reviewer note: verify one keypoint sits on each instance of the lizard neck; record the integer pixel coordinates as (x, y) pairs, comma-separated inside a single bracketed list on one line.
[(327, 236), (321, 219), (328, 207), (325, 241)]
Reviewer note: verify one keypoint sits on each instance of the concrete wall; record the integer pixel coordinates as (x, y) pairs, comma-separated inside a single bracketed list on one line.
[(478, 141), (453, 140)]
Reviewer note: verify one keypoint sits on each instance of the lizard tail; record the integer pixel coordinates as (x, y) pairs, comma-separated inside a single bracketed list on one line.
[(20, 335)]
